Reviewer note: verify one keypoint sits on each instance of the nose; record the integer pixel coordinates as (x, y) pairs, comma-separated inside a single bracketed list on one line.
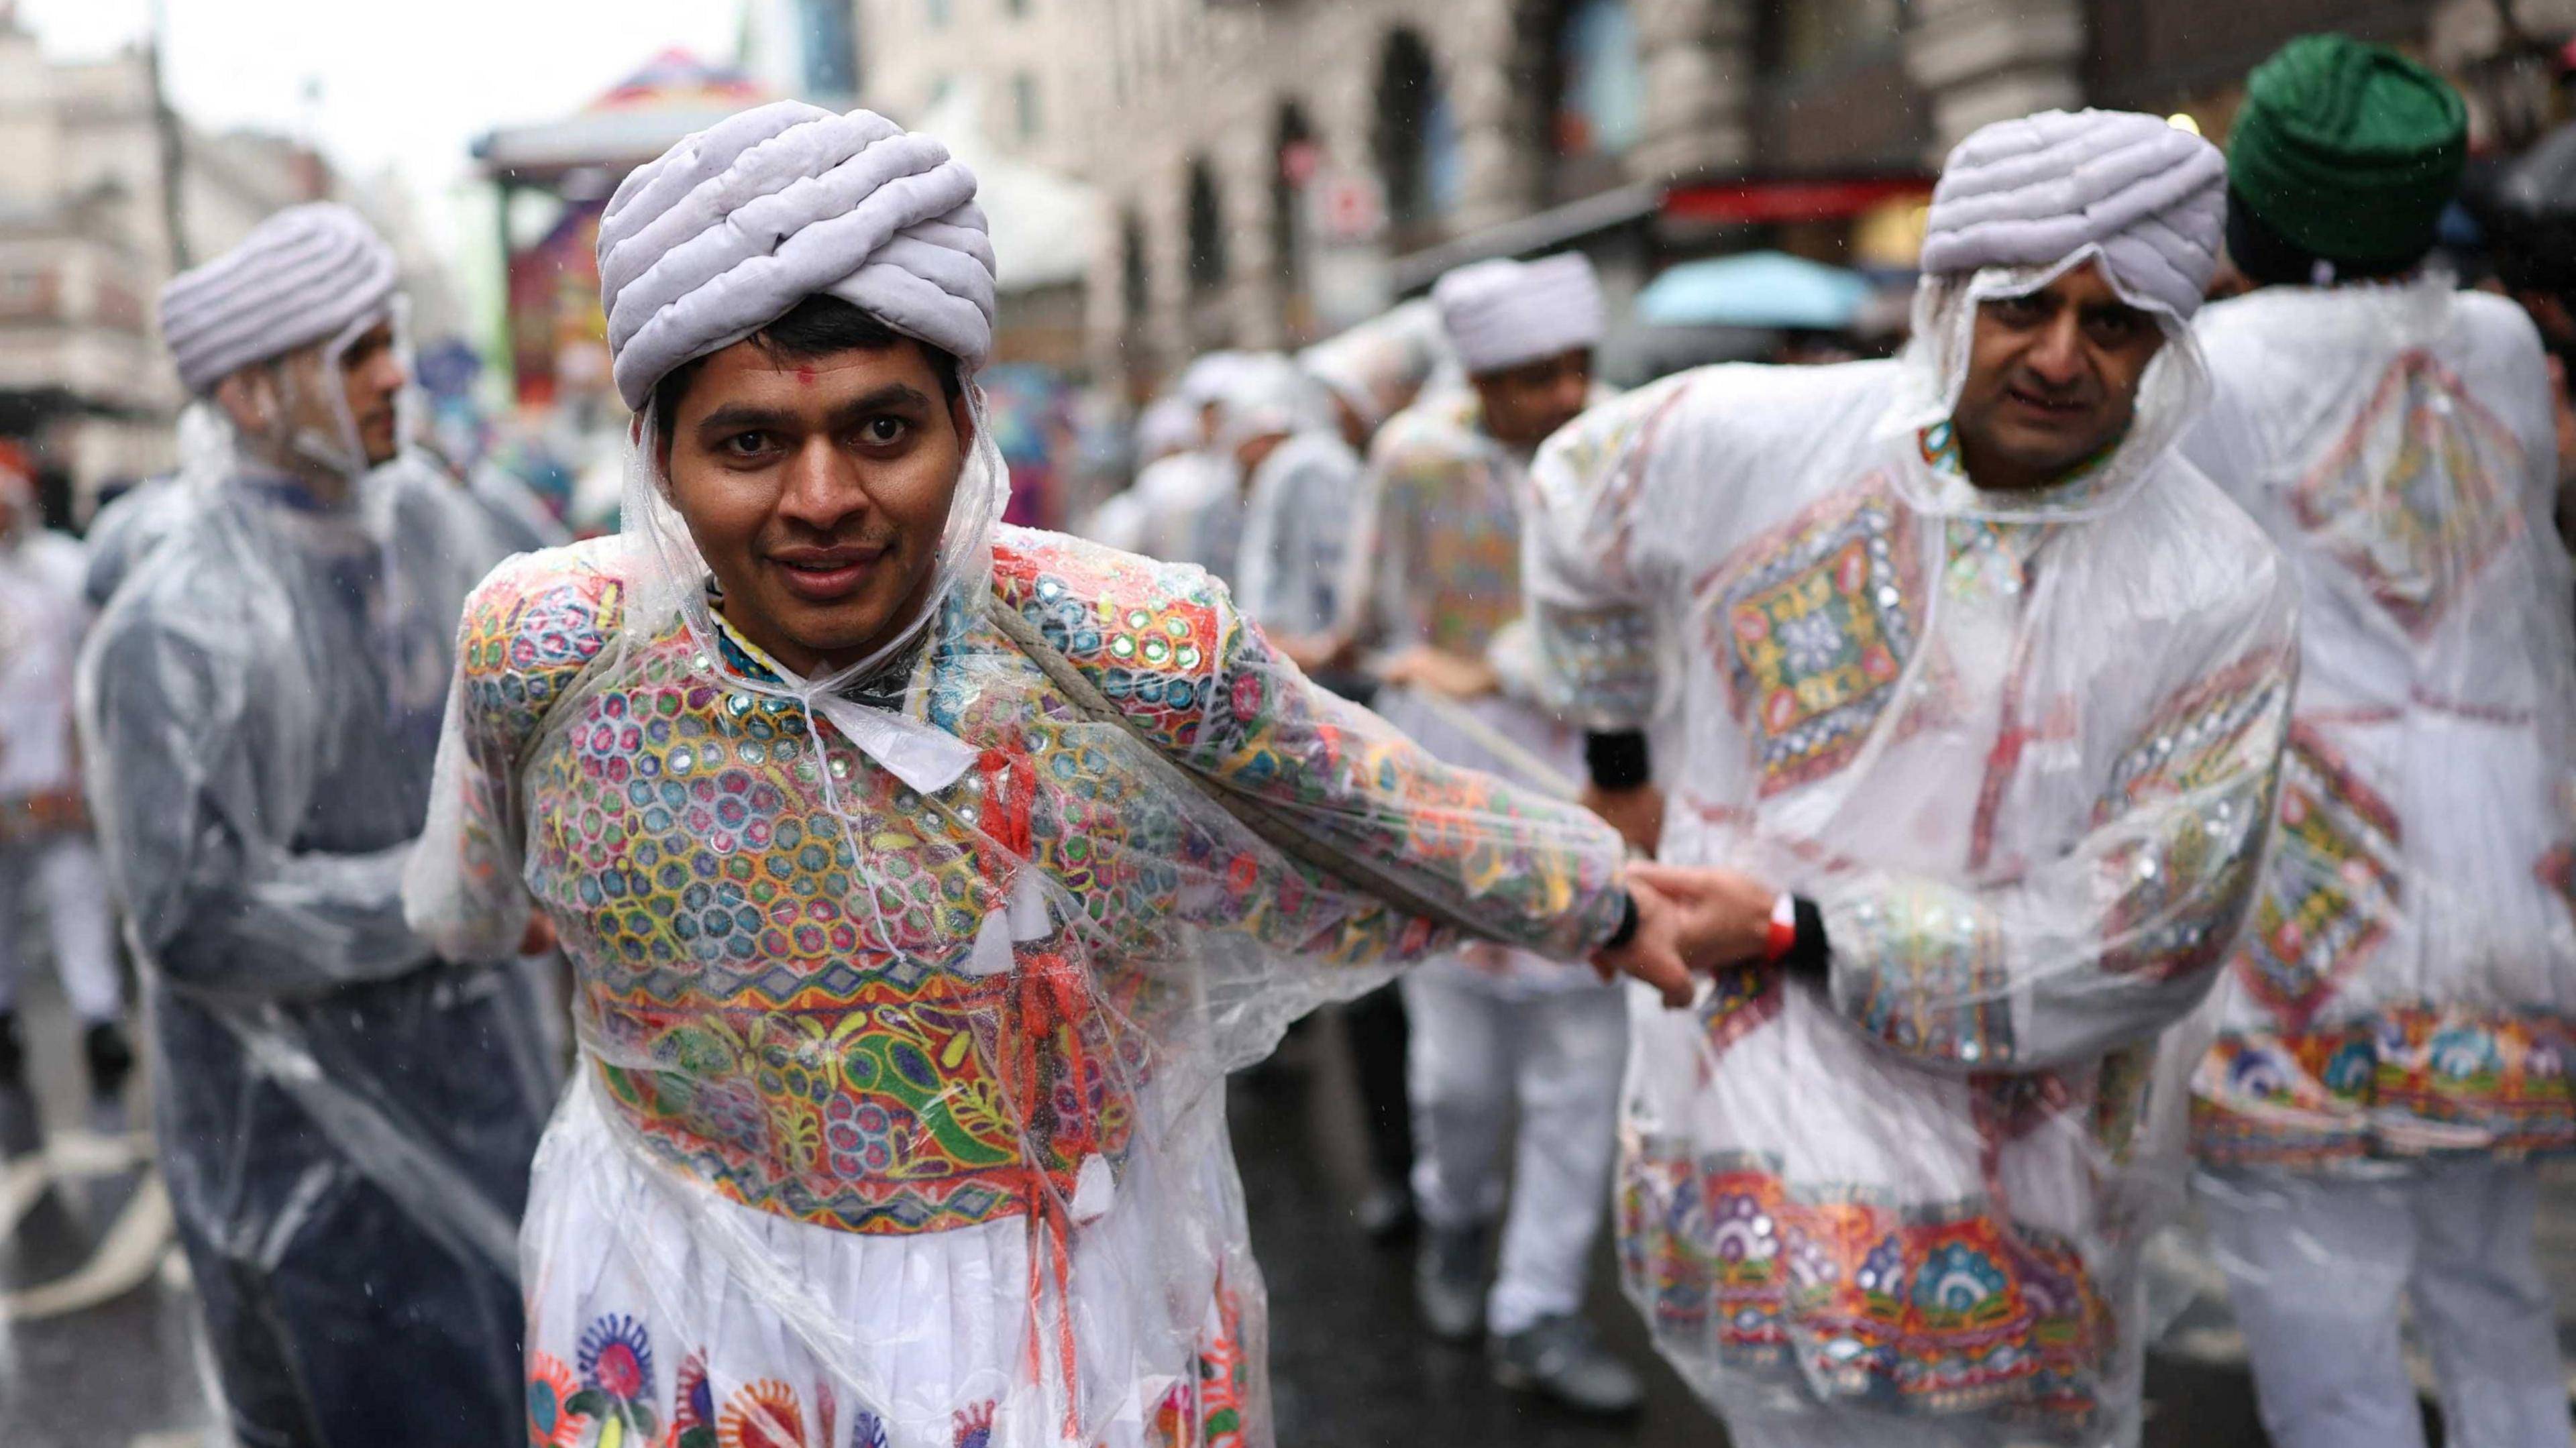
[(821, 489), (1573, 389), (385, 372), (2056, 356)]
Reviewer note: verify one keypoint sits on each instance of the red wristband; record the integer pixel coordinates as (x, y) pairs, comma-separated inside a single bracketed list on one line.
[(1783, 935)]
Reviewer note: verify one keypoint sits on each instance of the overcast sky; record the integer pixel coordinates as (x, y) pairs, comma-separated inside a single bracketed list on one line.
[(397, 82)]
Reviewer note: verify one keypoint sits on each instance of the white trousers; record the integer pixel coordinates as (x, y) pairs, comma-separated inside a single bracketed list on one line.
[(1474, 1053), (2316, 1268), (65, 872)]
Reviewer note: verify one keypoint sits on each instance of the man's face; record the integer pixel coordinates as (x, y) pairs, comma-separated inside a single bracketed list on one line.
[(2052, 380), (1355, 428), (818, 492), (1526, 403), (370, 378), (1252, 452)]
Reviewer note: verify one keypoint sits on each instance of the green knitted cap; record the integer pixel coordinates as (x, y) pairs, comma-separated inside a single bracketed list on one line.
[(2349, 150)]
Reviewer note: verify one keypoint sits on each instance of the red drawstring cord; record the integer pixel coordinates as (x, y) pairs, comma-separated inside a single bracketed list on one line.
[(1047, 999)]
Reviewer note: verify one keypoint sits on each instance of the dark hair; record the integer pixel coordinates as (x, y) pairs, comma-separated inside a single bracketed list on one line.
[(816, 327), (2271, 259)]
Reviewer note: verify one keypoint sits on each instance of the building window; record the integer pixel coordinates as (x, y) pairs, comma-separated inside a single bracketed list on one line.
[(1134, 280), (1024, 105), (940, 86), (936, 12), (1816, 35), (1601, 87), (1294, 160), (1207, 231), (1417, 135), (1016, 9)]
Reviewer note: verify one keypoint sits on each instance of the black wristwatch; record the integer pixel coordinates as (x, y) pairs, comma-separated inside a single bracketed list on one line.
[(1617, 761)]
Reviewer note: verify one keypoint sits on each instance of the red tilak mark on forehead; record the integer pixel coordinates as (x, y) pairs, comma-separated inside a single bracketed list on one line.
[(804, 376)]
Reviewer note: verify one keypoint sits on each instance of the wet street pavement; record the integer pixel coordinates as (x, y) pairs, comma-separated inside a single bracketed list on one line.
[(98, 1331), (97, 1326)]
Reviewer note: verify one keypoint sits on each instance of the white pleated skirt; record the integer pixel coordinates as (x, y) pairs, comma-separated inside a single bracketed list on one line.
[(667, 1313)]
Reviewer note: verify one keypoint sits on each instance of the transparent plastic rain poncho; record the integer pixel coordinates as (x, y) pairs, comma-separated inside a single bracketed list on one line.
[(1287, 540), (1434, 560), (2020, 751), (346, 1120), (906, 995), (2406, 991)]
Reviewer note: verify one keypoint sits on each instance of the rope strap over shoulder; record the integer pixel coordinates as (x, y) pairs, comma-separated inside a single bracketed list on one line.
[(1263, 817)]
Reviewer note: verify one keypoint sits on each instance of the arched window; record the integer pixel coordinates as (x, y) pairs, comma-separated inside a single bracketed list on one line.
[(1417, 136), (1207, 230), (1601, 83), (1292, 167), (1135, 289)]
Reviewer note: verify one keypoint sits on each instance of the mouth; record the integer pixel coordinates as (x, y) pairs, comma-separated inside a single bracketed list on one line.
[(2052, 410), (827, 575)]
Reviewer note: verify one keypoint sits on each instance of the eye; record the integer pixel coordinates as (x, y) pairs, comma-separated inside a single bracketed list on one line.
[(2021, 311), (2115, 329), (744, 445), (884, 431)]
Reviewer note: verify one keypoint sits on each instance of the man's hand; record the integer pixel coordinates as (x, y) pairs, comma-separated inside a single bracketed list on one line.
[(1720, 917), (1314, 653), (1653, 954), (1441, 672), (1637, 814), (539, 937)]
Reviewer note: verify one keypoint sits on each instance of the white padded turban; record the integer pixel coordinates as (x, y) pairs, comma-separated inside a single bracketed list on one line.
[(1265, 395), (2034, 191), (1380, 365), (1204, 381), (728, 230), (1504, 314), (302, 276)]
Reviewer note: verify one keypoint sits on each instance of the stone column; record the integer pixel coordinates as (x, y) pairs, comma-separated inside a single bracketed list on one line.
[(1699, 64), (1242, 161), (1474, 48), (1164, 204), (1991, 60), (1105, 322)]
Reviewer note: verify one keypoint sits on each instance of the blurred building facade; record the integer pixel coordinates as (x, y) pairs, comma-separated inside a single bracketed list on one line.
[(91, 172), (1270, 168)]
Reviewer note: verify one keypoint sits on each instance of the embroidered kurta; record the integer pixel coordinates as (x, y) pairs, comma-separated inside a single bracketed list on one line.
[(2409, 984), (2023, 767), (1436, 559), (934, 1064)]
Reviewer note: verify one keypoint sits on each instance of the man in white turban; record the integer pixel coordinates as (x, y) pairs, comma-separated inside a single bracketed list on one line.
[(2393, 1041), (1376, 369), (1434, 583), (1280, 548), (920, 876), (346, 1117), (1175, 507), (1986, 686)]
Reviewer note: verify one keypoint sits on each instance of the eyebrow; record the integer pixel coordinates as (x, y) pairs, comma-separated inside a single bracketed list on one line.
[(745, 417)]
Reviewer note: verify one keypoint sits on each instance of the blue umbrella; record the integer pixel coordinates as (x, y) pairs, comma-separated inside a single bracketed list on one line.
[(1755, 289)]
